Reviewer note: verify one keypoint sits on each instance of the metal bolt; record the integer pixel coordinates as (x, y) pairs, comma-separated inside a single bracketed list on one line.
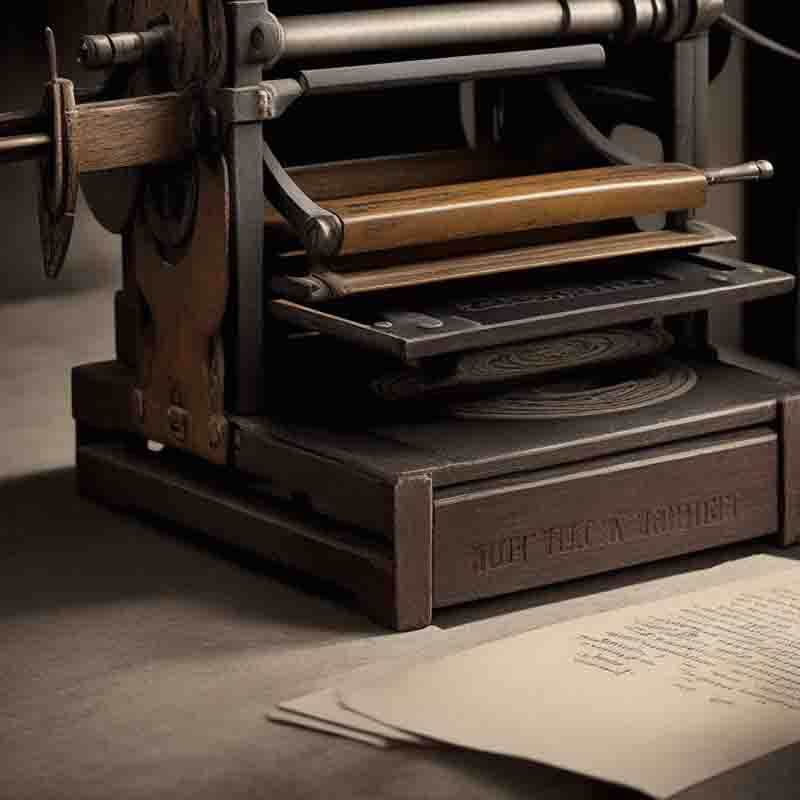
[(264, 104), (257, 39)]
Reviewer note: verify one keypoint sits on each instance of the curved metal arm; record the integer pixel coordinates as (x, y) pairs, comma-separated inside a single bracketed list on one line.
[(588, 131), (320, 231)]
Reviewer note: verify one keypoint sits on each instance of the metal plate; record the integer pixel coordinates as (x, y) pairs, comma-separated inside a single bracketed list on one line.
[(490, 312)]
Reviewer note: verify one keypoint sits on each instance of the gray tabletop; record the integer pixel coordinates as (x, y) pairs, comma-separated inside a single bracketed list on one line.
[(137, 661)]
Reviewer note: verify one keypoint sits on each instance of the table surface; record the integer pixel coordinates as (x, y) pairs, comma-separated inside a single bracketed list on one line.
[(137, 662)]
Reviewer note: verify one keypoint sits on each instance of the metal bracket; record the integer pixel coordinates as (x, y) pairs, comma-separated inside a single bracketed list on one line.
[(258, 36), (318, 229)]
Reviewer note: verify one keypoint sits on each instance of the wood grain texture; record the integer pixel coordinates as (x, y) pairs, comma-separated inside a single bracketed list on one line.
[(486, 208), (368, 176), (518, 533), (131, 132), (789, 426), (180, 392), (501, 262)]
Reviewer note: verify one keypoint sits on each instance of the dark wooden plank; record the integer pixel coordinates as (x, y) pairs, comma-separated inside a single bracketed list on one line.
[(147, 483), (132, 132), (182, 377), (506, 535), (725, 398), (454, 451), (360, 450), (102, 396), (413, 552), (789, 425), (516, 260), (324, 483)]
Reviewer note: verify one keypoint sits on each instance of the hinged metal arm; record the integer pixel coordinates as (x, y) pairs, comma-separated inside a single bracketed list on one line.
[(319, 230)]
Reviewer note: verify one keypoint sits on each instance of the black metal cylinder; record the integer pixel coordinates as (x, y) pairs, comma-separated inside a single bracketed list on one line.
[(108, 50)]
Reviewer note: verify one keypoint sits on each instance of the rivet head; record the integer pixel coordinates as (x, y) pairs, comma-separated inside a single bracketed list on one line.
[(264, 104), (257, 39)]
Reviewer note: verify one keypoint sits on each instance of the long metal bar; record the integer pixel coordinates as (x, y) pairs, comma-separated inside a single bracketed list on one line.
[(337, 80), (442, 25), (23, 148), (246, 363), (19, 123)]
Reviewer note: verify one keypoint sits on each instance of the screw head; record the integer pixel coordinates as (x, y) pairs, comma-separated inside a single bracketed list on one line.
[(257, 39)]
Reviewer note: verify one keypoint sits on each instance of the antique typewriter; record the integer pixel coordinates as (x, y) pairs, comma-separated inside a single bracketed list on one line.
[(398, 311)]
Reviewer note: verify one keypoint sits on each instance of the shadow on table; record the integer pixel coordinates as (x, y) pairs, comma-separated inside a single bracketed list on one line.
[(58, 549)]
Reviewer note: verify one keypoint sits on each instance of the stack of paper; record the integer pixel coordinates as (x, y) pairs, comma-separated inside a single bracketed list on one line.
[(657, 697)]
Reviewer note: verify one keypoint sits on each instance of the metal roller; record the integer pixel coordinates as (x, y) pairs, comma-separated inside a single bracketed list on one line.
[(480, 23)]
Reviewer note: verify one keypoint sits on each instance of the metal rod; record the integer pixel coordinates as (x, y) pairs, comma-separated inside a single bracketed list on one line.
[(337, 80), (476, 23), (23, 148), (20, 123), (108, 50), (52, 53), (750, 171)]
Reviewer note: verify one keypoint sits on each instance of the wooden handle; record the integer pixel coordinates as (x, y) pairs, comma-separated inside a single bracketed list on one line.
[(427, 215)]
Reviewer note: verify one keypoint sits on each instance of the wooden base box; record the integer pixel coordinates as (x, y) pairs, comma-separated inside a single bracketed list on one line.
[(410, 518)]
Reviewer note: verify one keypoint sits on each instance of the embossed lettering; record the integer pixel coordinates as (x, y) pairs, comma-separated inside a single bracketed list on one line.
[(597, 534)]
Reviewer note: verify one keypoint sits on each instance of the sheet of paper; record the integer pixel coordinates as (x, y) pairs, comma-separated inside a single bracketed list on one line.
[(658, 697), (303, 721), (324, 706)]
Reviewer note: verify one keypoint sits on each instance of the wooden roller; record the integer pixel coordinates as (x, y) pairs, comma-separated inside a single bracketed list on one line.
[(411, 218)]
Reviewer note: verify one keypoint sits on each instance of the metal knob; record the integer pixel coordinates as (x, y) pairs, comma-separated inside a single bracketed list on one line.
[(749, 171)]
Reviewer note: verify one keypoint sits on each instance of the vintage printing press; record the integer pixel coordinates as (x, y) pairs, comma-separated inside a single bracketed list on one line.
[(424, 378)]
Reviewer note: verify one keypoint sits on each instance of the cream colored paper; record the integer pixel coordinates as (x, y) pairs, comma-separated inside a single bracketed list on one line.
[(324, 706), (658, 697), (302, 721)]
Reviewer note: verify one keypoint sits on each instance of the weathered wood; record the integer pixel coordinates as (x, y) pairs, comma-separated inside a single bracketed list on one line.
[(368, 176), (131, 132), (199, 47), (485, 208), (512, 534), (413, 552), (521, 259), (324, 484), (180, 392), (202, 501), (789, 426), (324, 182)]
